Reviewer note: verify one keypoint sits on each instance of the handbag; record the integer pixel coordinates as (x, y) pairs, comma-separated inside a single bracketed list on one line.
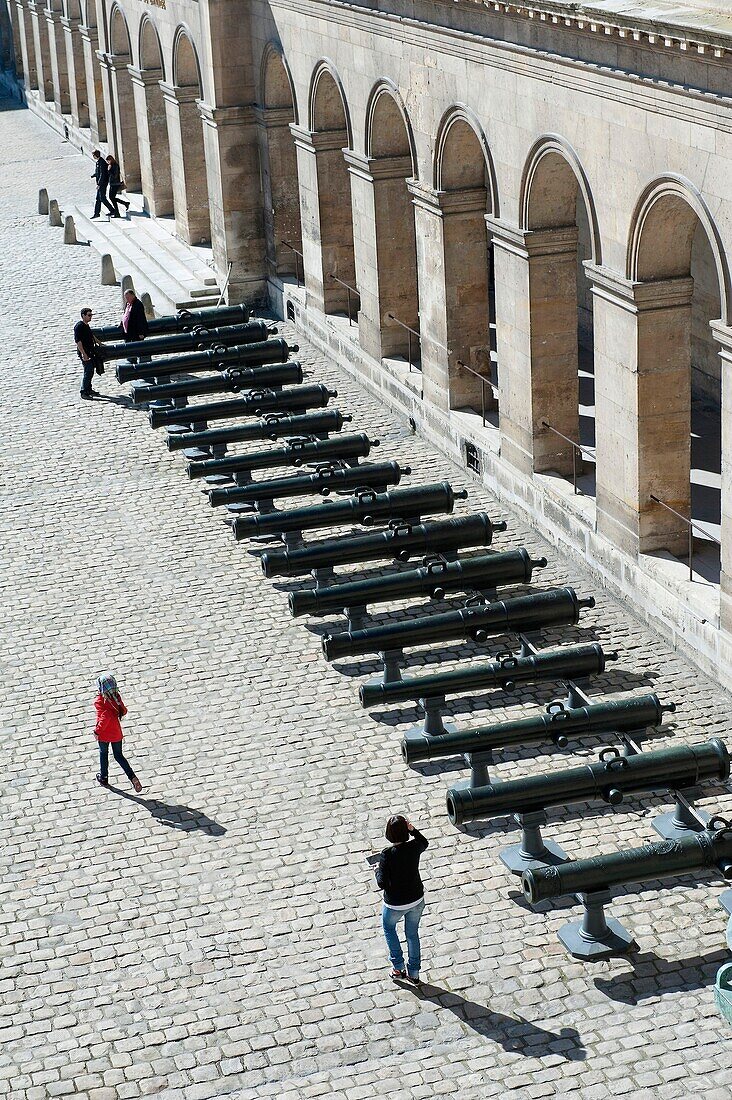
[(98, 365)]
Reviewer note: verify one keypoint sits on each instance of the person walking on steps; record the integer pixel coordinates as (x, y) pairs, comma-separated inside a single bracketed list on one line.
[(397, 874), (110, 709), (86, 348), (101, 175), (115, 186)]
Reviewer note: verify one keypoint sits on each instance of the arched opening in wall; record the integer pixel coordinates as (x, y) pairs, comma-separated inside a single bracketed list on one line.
[(465, 188), (561, 239), (14, 52), (283, 230), (187, 152), (125, 136), (26, 23), (93, 72), (75, 64), (42, 45), (392, 165), (675, 254), (155, 168), (59, 62), (331, 135)]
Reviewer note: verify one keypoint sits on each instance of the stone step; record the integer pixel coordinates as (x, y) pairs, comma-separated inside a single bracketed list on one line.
[(158, 245), (134, 253), (195, 257)]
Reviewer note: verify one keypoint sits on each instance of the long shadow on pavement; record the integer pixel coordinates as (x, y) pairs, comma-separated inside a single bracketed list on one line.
[(514, 1033), (173, 815)]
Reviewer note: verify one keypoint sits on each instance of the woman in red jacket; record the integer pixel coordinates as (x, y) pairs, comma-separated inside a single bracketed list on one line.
[(110, 709)]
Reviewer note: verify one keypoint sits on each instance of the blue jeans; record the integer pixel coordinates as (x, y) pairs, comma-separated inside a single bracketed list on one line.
[(88, 375), (389, 920), (119, 756)]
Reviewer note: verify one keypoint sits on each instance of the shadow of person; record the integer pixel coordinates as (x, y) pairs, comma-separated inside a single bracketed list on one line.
[(174, 816), (513, 1033), (122, 400)]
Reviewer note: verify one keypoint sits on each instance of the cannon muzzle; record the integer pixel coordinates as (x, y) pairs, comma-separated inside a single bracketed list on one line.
[(183, 321), (608, 780), (554, 727), (253, 404), (415, 501), (216, 358), (660, 860), (325, 480), (433, 580)]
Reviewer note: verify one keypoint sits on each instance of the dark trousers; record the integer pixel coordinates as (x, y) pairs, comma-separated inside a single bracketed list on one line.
[(101, 201), (88, 375), (114, 190), (119, 756)]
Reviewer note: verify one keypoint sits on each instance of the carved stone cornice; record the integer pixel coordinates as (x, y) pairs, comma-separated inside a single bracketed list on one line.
[(529, 243), (639, 297), (319, 141)]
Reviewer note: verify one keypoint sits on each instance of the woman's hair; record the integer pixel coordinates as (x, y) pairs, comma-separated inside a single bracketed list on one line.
[(109, 156), (107, 685), (396, 829)]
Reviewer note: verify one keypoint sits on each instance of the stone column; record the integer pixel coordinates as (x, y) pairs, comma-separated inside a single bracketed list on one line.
[(27, 49), (452, 262), (381, 231), (41, 47), (326, 217), (15, 21), (59, 66), (723, 336), (152, 136), (93, 82), (235, 199), (105, 71), (642, 409), (280, 185), (536, 333), (76, 71), (188, 164), (126, 144)]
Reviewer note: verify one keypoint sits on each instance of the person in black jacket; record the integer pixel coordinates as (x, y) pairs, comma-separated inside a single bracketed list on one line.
[(397, 874), (101, 175), (115, 186), (134, 321)]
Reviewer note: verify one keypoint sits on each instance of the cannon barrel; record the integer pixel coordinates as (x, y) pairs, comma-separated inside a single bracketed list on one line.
[(474, 623), (367, 508), (200, 338), (296, 452), (606, 780), (183, 321), (324, 480), (434, 579), (210, 359), (229, 381), (399, 540), (254, 403), (273, 426), (662, 859), (555, 726)]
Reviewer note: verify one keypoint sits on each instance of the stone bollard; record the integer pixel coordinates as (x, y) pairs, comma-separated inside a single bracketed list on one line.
[(148, 306), (69, 230), (43, 201), (127, 284), (54, 214), (109, 277)]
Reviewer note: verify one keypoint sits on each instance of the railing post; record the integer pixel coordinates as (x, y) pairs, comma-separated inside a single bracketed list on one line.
[(691, 553), (348, 295), (409, 350), (574, 468)]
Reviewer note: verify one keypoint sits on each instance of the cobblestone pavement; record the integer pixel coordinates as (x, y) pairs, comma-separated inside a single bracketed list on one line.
[(219, 934)]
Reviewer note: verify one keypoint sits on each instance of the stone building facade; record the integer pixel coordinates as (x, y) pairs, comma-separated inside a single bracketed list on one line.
[(514, 221)]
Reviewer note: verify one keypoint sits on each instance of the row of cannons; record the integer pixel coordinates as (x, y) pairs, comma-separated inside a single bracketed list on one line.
[(270, 402)]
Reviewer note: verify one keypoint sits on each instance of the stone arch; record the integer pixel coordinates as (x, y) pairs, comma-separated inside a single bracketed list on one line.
[(391, 156), (552, 178), (186, 66), (388, 125), (465, 182), (149, 47), (125, 140), (185, 134), (327, 103), (677, 265), (276, 83), (155, 163), (73, 10), (669, 211), (557, 213), (330, 128), (278, 156)]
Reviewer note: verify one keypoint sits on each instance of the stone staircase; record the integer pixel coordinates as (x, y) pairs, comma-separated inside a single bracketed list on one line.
[(175, 275)]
